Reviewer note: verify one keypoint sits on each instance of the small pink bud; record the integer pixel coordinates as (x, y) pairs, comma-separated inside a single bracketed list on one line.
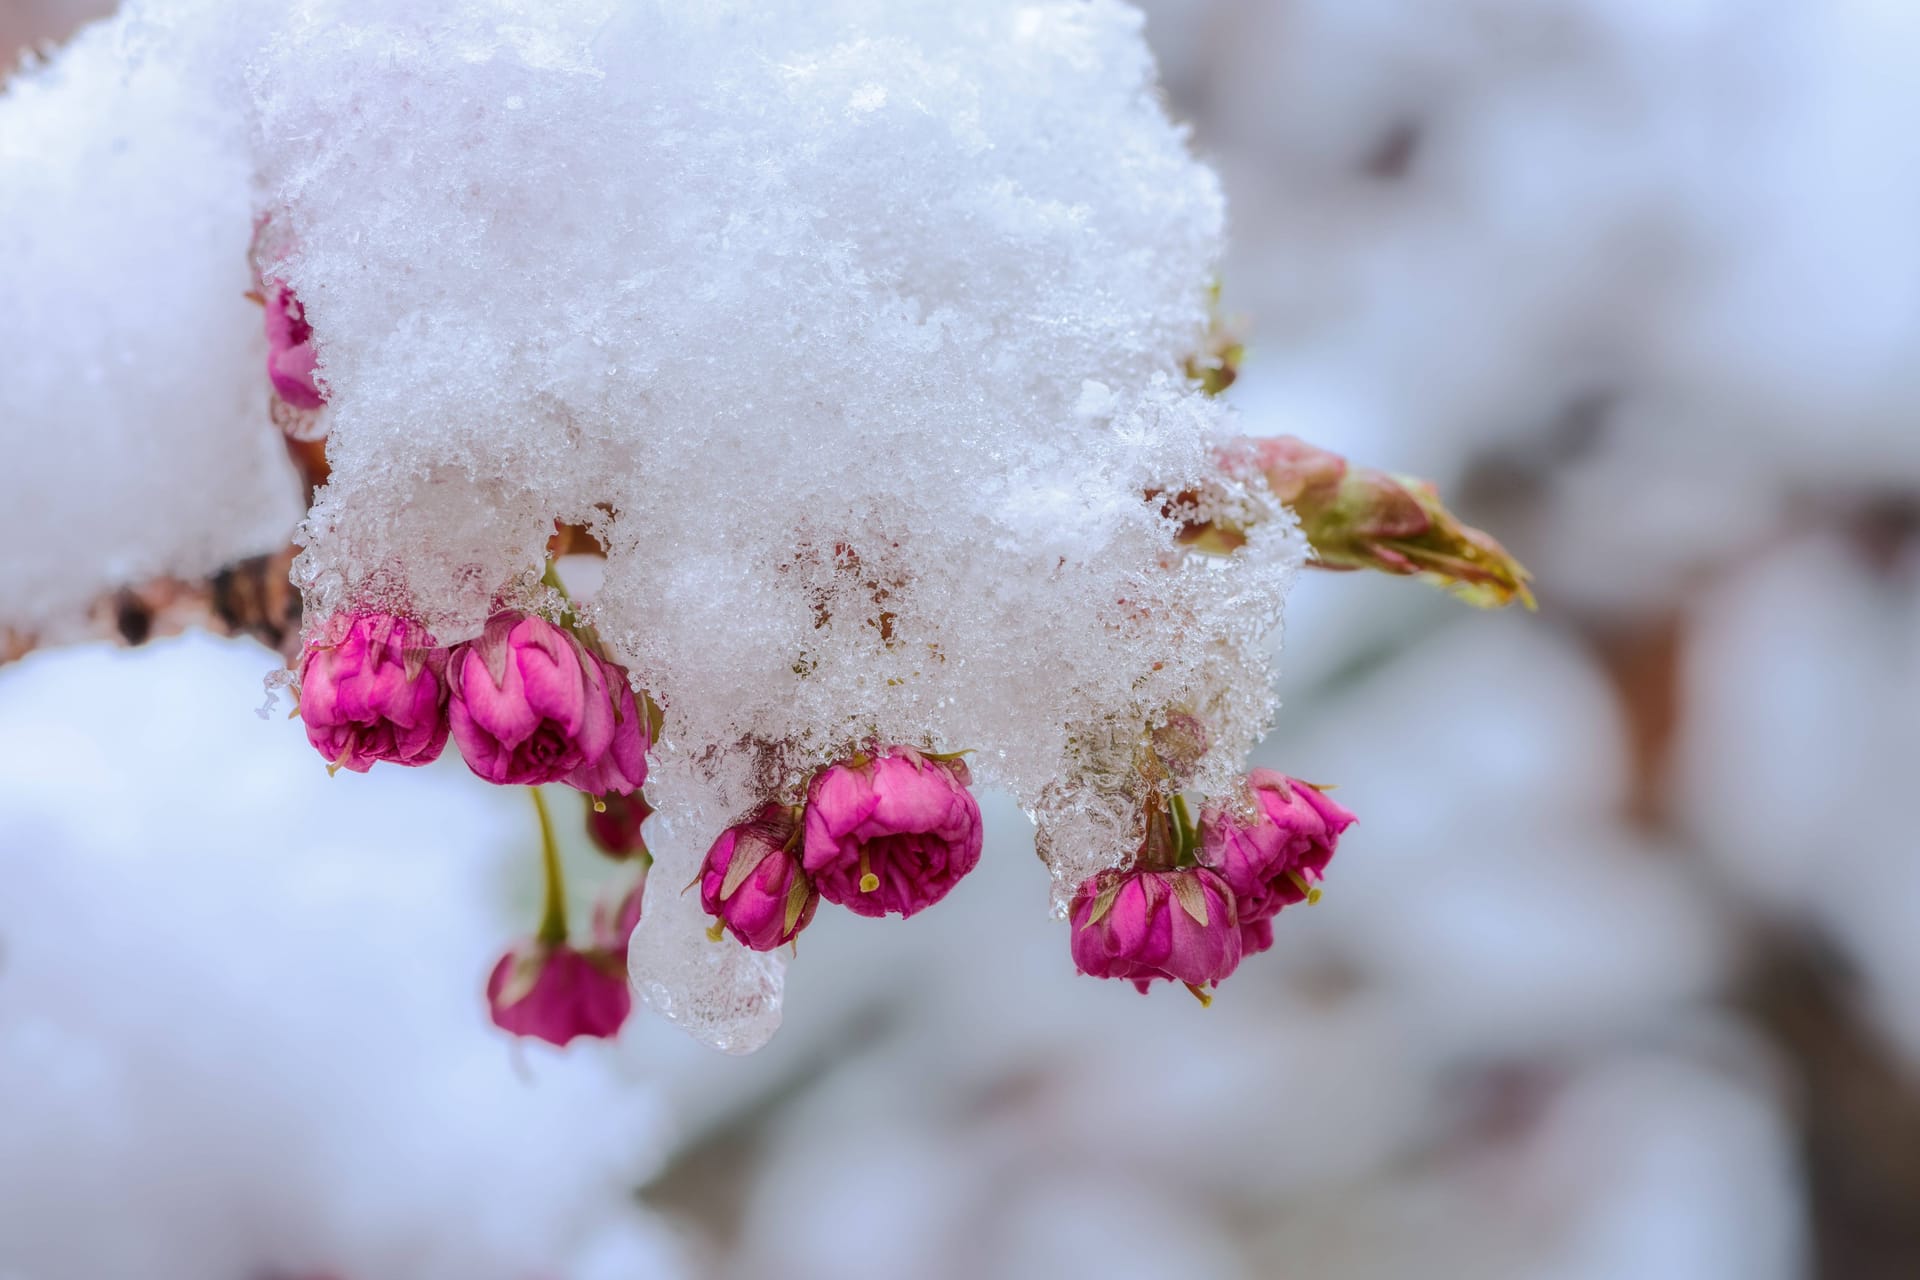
[(1274, 856), (290, 355), (615, 825), (622, 768), (557, 994), (1142, 925), (752, 883), (372, 689), (527, 703), (891, 833)]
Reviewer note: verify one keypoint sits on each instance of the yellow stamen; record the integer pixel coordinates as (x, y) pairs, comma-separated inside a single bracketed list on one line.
[(1206, 1001), (1305, 886), (599, 805), (868, 881), (716, 931)]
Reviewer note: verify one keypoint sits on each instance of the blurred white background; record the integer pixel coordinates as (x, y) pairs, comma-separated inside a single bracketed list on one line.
[(1616, 979)]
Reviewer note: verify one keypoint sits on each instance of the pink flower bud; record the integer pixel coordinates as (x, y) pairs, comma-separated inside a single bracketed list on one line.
[(527, 703), (892, 832), (290, 354), (557, 994), (1304, 476), (372, 689), (622, 768), (752, 883), (1273, 857), (1141, 925), (615, 827), (1363, 518)]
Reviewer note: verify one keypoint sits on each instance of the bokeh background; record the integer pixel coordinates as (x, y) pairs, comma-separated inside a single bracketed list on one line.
[(1617, 979)]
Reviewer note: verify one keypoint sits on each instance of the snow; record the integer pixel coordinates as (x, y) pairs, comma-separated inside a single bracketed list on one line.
[(133, 417)]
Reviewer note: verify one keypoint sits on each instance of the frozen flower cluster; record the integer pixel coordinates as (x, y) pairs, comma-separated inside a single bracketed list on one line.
[(867, 347), (851, 353)]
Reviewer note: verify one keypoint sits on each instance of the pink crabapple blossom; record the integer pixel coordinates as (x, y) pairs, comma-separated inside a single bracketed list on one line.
[(752, 882), (891, 832), (553, 992), (547, 989), (528, 704), (621, 769), (1274, 856), (1144, 924), (372, 689)]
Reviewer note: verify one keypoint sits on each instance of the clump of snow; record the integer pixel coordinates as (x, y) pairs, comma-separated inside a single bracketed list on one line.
[(855, 350), (133, 414), (853, 331)]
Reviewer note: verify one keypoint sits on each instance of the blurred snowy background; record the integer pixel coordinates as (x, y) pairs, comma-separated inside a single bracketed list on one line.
[(1618, 979)]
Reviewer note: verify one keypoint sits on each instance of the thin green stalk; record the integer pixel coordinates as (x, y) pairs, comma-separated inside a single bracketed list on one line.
[(1189, 837), (553, 922)]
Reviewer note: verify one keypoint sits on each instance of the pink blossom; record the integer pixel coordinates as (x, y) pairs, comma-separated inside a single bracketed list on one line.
[(752, 883), (1142, 925), (554, 993), (892, 832), (290, 354), (622, 768), (1274, 857), (371, 690), (615, 827), (527, 703)]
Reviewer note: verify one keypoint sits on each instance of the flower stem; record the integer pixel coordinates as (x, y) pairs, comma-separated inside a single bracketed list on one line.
[(1189, 839), (553, 921)]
